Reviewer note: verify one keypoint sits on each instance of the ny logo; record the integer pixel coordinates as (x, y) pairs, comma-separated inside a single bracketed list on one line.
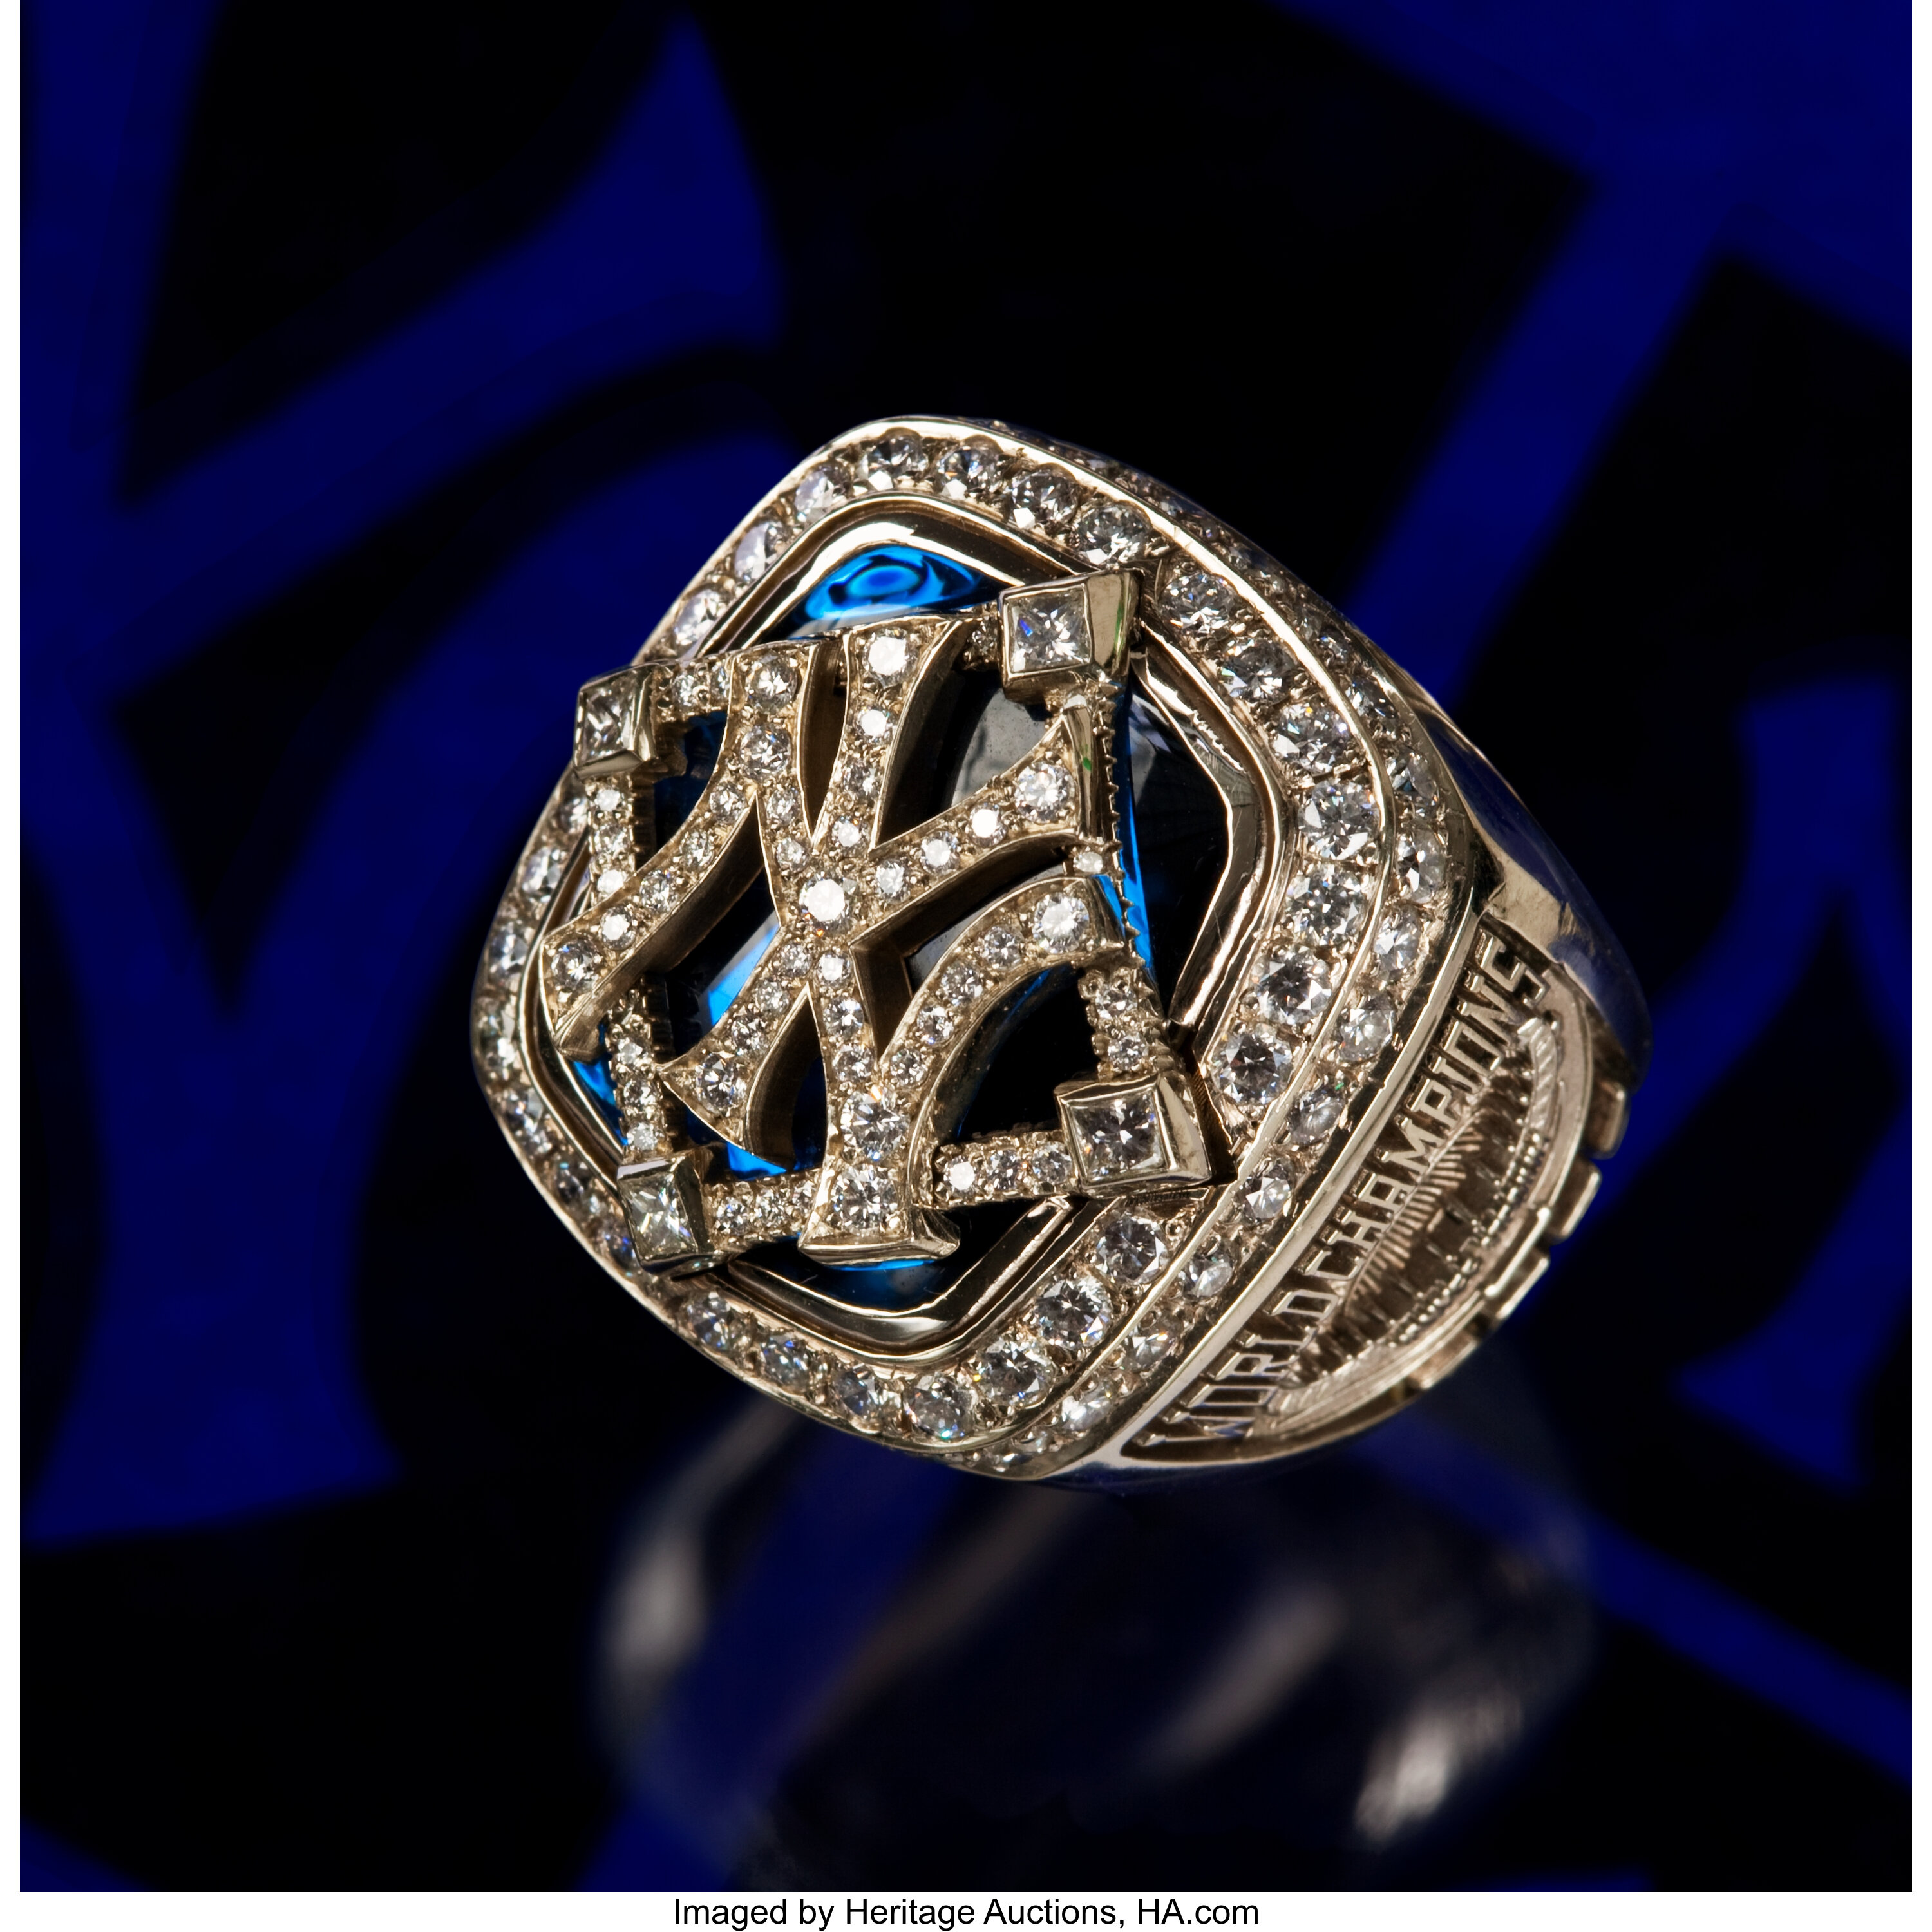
[(818, 737)]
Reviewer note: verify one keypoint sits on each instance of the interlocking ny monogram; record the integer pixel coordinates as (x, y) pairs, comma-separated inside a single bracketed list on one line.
[(852, 902)]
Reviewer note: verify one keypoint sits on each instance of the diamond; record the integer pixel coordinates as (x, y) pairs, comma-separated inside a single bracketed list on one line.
[(696, 616), (1130, 1248), (568, 1180), (1085, 1407), (1110, 533), (889, 879), (1251, 1068), (509, 947), (1042, 791), (713, 1322), (886, 656), (786, 1360), (1338, 818), (698, 847), (1118, 1135), (857, 1391), (774, 998), (1313, 1115), (820, 489), (790, 853), (984, 823), (1126, 1052), (961, 983), (833, 967), (1073, 1311), (1061, 923), (908, 1068), (614, 1238), (1398, 942), (1197, 600), (773, 684), (1113, 999), (523, 1115), (615, 926), (939, 853), (769, 753), (969, 468), (824, 900), (495, 1044), (795, 958), (1000, 947), (781, 805), (577, 964), (1266, 1192), (962, 1176), (659, 891), (573, 813), (1047, 631), (1042, 499), (896, 458), (940, 1408), (1311, 737), (611, 879), (859, 776), (1294, 991), (692, 691), (1326, 904), (628, 1054), (1089, 865), (1368, 698), (852, 1065), (1210, 1272), (1365, 1028), (756, 550), (1052, 1169), (846, 836), (1412, 782), (872, 1129), (1010, 1375), (1150, 1341), (860, 1199), (718, 1082), (1256, 672), (542, 871), (660, 1220), (1420, 864), (875, 723), (845, 1015), (936, 1025)]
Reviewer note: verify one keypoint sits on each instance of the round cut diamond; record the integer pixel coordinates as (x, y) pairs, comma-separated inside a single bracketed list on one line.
[(908, 1068), (699, 845), (962, 1176), (1210, 1272), (886, 656), (971, 468), (1003, 1171), (756, 550), (781, 804), (1114, 1000), (1413, 782), (872, 1129), (569, 1179), (775, 997), (936, 1024), (984, 823), (1197, 600), (889, 879), (1399, 941), (860, 1199), (1111, 533), (1365, 1028), (820, 489), (1042, 791), (769, 753), (1042, 499), (573, 815), (938, 854), (1294, 991), (1073, 1311), (1051, 1168), (832, 968), (845, 834), (874, 722), (1060, 923), (894, 459), (824, 900), (1256, 672), (852, 1065), (940, 1408), (961, 983), (1150, 1341), (1420, 864), (577, 965), (717, 1081), (1338, 818), (614, 926), (857, 1391), (659, 891), (1251, 1068), (542, 871), (713, 1322), (1010, 1375), (773, 684), (1369, 698), (1326, 905), (509, 947), (1127, 1051), (791, 854), (1266, 1192), (1085, 1407), (1130, 1248), (524, 1114), (1000, 947), (787, 1361), (610, 880), (696, 616), (1313, 1115), (1312, 737), (845, 1015)]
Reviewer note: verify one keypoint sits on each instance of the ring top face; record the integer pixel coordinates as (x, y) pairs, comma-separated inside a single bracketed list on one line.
[(976, 771)]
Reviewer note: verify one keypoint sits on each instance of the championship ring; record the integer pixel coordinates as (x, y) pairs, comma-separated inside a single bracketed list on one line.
[(1010, 972)]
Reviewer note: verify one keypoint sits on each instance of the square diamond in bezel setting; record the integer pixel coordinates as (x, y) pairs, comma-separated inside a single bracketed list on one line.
[(1125, 1133)]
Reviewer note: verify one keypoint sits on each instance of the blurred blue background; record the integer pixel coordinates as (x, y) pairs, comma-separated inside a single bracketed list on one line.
[(386, 370)]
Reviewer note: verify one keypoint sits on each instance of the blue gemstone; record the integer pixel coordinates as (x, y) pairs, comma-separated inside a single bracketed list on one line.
[(889, 581)]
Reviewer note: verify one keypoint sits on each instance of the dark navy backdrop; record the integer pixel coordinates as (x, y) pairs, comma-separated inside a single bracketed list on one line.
[(386, 370)]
